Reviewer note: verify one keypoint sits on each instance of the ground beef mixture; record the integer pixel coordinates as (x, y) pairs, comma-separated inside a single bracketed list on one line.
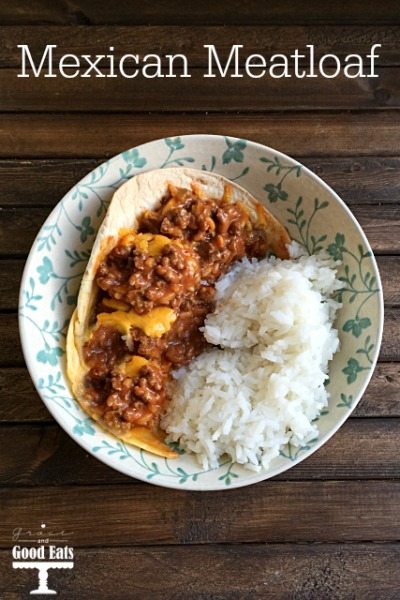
[(201, 239), (144, 281)]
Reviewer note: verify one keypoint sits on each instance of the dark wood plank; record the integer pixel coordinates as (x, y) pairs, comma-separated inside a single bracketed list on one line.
[(11, 271), (197, 93), (377, 229), (164, 40), (382, 396), (360, 180), (11, 354), (276, 571), (36, 11), (42, 182), (10, 350), (390, 349), (175, 12), (340, 457), (19, 227), (19, 402), (10, 279), (102, 135), (389, 269), (48, 456), (272, 511)]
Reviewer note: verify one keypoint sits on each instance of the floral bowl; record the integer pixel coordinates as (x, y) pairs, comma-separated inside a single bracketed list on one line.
[(314, 215)]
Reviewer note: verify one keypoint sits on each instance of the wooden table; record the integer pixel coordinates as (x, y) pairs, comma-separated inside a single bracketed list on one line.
[(322, 530)]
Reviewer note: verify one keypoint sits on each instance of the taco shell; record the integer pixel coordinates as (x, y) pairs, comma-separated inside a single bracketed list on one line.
[(142, 193)]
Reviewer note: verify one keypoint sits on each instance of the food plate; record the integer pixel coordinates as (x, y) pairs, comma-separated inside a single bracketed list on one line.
[(314, 216)]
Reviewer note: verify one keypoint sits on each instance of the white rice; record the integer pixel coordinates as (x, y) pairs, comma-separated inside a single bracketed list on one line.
[(263, 385)]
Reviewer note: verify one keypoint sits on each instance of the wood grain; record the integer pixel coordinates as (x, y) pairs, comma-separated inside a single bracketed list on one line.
[(10, 279), (19, 227), (11, 272), (175, 12), (361, 449), (42, 182), (282, 571), (19, 402), (102, 135), (271, 511), (389, 270), (10, 349), (381, 225), (358, 179), (164, 40), (198, 93), (11, 354), (382, 396), (345, 497)]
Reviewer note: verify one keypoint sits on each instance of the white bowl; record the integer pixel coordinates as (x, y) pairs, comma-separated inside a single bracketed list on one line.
[(314, 215)]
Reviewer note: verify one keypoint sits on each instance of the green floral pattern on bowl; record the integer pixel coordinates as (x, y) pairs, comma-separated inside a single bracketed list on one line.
[(315, 217)]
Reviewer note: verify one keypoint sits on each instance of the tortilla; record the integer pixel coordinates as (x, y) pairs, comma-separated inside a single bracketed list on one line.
[(141, 193)]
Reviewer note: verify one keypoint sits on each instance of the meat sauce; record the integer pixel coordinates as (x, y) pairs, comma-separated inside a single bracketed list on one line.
[(172, 261)]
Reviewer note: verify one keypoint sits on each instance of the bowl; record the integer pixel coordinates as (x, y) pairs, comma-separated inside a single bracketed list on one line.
[(314, 215)]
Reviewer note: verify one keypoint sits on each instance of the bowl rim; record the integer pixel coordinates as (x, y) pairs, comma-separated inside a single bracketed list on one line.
[(255, 477)]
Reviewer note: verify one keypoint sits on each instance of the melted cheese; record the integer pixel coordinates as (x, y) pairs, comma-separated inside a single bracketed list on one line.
[(133, 366), (154, 324), (116, 304), (150, 243), (261, 214), (227, 196)]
